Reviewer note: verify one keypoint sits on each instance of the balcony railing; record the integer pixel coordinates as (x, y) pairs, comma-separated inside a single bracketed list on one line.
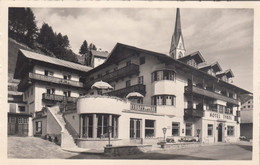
[(117, 74), (53, 97), (210, 94), (40, 77), (124, 91), (143, 108), (193, 112)]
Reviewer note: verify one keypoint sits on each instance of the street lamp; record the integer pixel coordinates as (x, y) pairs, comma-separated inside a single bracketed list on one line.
[(164, 132), (109, 133)]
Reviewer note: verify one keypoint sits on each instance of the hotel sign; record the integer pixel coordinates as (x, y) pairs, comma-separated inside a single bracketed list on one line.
[(216, 115)]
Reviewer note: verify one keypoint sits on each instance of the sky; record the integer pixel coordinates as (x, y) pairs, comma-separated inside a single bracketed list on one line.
[(223, 35)]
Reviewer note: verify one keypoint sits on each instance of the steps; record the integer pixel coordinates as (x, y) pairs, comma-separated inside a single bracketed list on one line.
[(67, 141)]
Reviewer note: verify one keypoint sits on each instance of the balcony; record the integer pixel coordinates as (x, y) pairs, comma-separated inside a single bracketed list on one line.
[(39, 77), (116, 75), (143, 108), (193, 112), (124, 91), (53, 97), (211, 94)]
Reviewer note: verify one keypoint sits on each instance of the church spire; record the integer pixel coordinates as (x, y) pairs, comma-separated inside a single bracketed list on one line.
[(177, 48)]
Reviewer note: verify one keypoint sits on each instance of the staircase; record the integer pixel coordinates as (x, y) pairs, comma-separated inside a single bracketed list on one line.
[(67, 141)]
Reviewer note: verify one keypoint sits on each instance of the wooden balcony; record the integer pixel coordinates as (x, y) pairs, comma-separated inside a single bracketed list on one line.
[(193, 112), (124, 91), (39, 77), (56, 98), (116, 75), (210, 94), (143, 108)]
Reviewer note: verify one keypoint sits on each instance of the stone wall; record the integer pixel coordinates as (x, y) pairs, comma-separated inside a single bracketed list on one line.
[(126, 150)]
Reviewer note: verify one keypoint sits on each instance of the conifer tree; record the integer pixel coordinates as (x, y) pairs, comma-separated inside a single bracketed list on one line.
[(83, 48)]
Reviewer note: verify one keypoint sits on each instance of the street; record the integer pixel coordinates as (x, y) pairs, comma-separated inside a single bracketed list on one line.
[(36, 148)]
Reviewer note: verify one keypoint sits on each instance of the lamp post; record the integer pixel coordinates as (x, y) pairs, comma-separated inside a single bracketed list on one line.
[(164, 132), (109, 133)]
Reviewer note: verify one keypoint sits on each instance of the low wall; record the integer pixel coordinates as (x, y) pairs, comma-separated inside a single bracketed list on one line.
[(97, 143), (126, 150), (181, 145)]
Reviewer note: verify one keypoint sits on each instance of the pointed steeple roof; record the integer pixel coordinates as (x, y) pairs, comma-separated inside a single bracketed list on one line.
[(177, 31)]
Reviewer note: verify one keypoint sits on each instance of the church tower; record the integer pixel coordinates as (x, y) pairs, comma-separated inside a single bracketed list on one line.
[(177, 49)]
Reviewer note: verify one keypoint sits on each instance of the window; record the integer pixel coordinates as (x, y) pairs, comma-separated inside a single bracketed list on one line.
[(67, 77), (135, 128), (163, 75), (248, 106), (128, 63), (102, 130), (230, 130), (20, 120), (140, 100), (149, 128), (88, 126), (142, 60), (48, 91), (175, 129), (221, 108), (180, 54), (21, 108), (188, 129), (164, 100), (128, 83), (210, 129), (141, 80), (48, 73), (52, 91), (101, 125), (38, 127), (248, 102), (67, 93)]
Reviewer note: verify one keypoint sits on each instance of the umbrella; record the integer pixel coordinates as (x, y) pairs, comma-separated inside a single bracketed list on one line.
[(134, 95), (101, 85)]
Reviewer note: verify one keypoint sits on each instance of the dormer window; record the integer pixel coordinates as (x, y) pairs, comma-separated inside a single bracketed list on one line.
[(180, 55)]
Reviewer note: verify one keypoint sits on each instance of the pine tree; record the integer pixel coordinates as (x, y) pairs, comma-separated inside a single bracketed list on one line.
[(83, 48), (66, 42), (31, 27), (22, 26), (47, 37)]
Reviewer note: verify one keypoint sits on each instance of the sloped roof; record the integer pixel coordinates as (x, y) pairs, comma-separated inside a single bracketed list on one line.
[(99, 53), (244, 98), (196, 55), (215, 66), (55, 61), (228, 73)]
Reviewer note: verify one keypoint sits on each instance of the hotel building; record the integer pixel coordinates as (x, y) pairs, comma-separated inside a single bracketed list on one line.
[(190, 99)]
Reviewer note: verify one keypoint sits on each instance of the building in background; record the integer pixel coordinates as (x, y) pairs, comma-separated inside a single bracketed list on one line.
[(19, 119), (47, 81), (246, 126)]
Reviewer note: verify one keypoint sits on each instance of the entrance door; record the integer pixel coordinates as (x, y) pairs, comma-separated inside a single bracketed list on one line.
[(220, 133), (135, 128)]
